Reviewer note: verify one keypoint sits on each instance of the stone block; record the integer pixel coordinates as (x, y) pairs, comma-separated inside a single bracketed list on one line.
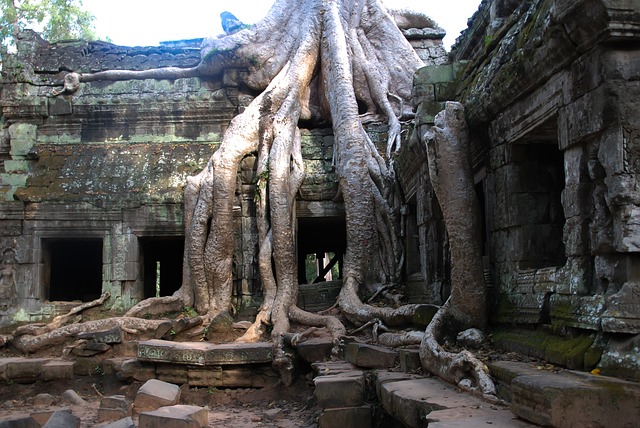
[(316, 349), (110, 336), (352, 417), (199, 377), (108, 415), (122, 423), (570, 399), (340, 390), (72, 397), (62, 419), (41, 417), (172, 373), (155, 394), (409, 360), (115, 407), (54, 370), (25, 370), (134, 370), (24, 421), (179, 416), (370, 356), (203, 353)]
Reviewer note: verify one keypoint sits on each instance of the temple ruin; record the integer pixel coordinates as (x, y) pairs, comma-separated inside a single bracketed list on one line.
[(92, 183)]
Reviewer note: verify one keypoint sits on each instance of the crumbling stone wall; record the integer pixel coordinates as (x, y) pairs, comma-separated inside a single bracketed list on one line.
[(551, 96)]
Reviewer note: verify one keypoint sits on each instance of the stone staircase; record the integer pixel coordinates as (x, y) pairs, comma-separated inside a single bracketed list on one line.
[(372, 386)]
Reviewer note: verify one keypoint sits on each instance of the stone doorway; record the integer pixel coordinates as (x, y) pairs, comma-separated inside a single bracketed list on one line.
[(161, 265), (73, 269), (321, 246)]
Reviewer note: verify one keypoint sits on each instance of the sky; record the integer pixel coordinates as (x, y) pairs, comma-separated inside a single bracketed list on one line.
[(149, 22)]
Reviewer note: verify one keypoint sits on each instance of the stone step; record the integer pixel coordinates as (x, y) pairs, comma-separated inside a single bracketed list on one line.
[(418, 401), (29, 370), (567, 398), (204, 353)]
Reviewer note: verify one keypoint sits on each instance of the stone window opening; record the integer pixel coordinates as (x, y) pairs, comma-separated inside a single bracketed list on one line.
[(162, 260), (72, 269)]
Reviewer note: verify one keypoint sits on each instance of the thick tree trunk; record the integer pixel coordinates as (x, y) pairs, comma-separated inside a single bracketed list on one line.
[(451, 178)]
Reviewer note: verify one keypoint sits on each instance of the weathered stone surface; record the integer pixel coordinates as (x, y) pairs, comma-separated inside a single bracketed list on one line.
[(132, 369), (567, 398), (25, 370), (340, 390), (314, 350), (43, 399), (24, 421), (622, 358), (62, 419), (72, 397), (416, 401), (113, 408), (155, 394), (57, 369), (122, 423), (352, 417), (42, 416), (179, 416), (108, 415), (204, 353), (409, 360), (370, 356), (114, 335)]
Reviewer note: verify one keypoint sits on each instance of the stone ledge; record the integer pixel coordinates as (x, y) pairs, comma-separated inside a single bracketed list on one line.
[(204, 354), (567, 398)]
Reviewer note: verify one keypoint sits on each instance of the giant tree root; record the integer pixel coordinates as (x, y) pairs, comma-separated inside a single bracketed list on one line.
[(463, 368), (137, 326)]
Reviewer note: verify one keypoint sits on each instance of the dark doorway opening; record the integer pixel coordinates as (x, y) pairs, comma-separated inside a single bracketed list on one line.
[(321, 245), (162, 265), (73, 269)]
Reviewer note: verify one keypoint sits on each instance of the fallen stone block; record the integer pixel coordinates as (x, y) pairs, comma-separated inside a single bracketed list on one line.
[(178, 416), (62, 419), (24, 421), (57, 369), (110, 336), (108, 415), (155, 394), (90, 349), (314, 350), (114, 408), (332, 367), (352, 417), (41, 417), (122, 423), (341, 390), (43, 400), (370, 356), (72, 397), (132, 369), (409, 360), (115, 402)]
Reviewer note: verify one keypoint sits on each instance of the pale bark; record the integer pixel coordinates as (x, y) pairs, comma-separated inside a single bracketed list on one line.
[(450, 174)]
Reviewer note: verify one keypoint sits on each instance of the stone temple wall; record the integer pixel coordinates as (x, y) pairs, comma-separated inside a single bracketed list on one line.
[(551, 92), (92, 183)]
